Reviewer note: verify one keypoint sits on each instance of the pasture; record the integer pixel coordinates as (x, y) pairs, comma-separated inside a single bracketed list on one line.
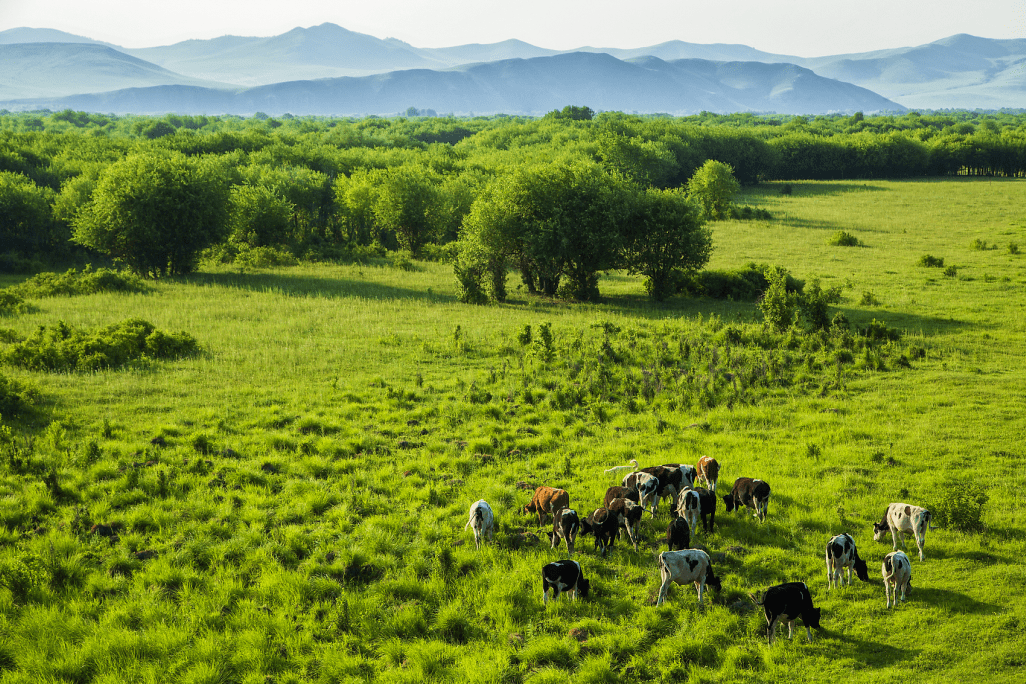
[(289, 505)]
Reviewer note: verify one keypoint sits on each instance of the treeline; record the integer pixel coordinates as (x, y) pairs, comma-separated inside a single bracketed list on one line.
[(275, 189)]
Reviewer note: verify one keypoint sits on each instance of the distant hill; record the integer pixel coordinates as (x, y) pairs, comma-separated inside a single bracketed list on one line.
[(33, 70), (516, 86), (43, 35)]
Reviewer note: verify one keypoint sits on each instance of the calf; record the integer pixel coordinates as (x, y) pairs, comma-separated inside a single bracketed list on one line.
[(754, 494), (841, 554), (604, 524), (563, 575), (678, 534), (621, 493), (628, 515), (708, 500), (902, 519), (787, 603), (482, 520), (708, 472), (565, 525), (647, 486), (689, 506), (897, 574), (546, 501), (683, 567)]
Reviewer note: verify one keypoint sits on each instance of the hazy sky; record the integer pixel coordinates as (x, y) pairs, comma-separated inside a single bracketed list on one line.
[(799, 27)]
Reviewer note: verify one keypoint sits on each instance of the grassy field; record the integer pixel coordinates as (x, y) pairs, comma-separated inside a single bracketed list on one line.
[(289, 504)]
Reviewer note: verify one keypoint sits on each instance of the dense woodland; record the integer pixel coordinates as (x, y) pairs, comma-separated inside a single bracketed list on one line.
[(599, 191)]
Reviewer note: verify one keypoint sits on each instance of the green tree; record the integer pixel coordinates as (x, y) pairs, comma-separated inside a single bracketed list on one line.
[(26, 222), (409, 204), (713, 186), (259, 217), (156, 212), (667, 237)]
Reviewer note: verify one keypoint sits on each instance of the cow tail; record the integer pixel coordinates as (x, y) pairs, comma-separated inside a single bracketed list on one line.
[(756, 599)]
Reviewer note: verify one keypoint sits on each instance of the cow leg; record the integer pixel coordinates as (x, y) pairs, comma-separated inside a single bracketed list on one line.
[(700, 585), (887, 591), (663, 588), (790, 629), (477, 537), (920, 542), (771, 628), (808, 633)]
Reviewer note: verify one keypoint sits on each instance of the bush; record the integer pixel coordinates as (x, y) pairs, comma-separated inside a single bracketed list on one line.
[(743, 285), (869, 299), (747, 213), (843, 238), (930, 261), (10, 302), (960, 507), (73, 282), (15, 397), (979, 245), (951, 271), (1013, 248), (63, 348)]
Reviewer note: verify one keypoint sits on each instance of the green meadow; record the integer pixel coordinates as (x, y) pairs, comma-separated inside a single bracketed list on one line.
[(288, 504)]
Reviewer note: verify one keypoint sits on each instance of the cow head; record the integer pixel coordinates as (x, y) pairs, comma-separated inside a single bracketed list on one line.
[(861, 571), (712, 580), (583, 586), (728, 501), (811, 617), (879, 530)]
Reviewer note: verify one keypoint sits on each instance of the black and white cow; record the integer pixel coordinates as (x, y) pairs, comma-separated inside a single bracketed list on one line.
[(897, 574), (786, 603), (672, 479), (621, 493), (678, 534), (563, 575), (902, 519), (686, 567), (842, 555), (749, 492), (689, 473), (689, 507), (482, 520), (565, 525), (647, 486), (604, 524), (629, 516)]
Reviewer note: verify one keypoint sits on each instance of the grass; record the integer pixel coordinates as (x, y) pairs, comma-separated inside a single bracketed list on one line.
[(289, 504)]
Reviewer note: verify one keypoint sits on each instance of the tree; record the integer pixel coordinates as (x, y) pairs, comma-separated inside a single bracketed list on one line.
[(26, 222), (409, 204), (667, 237), (156, 212), (713, 186), (259, 217)]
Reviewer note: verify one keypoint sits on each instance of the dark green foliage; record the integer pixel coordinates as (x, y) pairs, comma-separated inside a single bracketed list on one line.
[(959, 506), (15, 396), (571, 113), (930, 261), (843, 238), (10, 302), (869, 299), (951, 271), (63, 348), (747, 213), (26, 221), (74, 282), (1013, 248), (745, 284)]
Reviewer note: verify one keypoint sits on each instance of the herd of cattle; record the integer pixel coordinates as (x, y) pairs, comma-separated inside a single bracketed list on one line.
[(624, 506)]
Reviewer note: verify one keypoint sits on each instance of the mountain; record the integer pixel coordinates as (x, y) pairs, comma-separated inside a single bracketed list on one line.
[(43, 35), (516, 86), (33, 70)]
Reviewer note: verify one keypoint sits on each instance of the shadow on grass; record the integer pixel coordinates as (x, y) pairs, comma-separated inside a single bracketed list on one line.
[(872, 653), (308, 286), (950, 600), (810, 189)]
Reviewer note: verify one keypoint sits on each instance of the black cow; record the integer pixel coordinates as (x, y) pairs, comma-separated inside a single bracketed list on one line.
[(563, 575), (754, 494), (678, 534), (788, 602), (708, 500), (565, 525), (604, 524)]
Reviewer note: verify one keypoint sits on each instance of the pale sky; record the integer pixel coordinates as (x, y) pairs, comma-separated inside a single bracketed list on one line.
[(807, 28)]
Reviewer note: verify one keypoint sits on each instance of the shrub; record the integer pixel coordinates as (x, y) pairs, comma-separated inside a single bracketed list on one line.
[(745, 284), (930, 261), (747, 213), (979, 245), (10, 302), (74, 282), (960, 507), (869, 299), (1013, 247), (15, 396), (843, 238), (778, 306), (951, 271), (63, 348)]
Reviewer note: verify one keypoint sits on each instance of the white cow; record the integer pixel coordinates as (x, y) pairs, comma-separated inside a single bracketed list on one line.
[(684, 567), (902, 519), (897, 574), (482, 520)]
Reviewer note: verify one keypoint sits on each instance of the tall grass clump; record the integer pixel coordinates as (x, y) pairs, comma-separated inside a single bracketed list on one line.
[(959, 506), (64, 348), (930, 261), (843, 238)]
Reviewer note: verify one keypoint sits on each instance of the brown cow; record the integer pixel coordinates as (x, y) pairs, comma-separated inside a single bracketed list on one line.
[(546, 501), (708, 471)]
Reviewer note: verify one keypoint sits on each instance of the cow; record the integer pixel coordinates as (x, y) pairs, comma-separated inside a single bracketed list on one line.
[(604, 524), (671, 480), (841, 554), (708, 500), (546, 501), (897, 574), (628, 516), (565, 525), (563, 575), (482, 520), (621, 493), (617, 469), (688, 473), (689, 507), (786, 603), (684, 567), (902, 519), (647, 486), (708, 472), (678, 534), (754, 494)]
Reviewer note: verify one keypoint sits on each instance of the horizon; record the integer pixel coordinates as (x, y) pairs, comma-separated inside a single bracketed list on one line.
[(827, 29)]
